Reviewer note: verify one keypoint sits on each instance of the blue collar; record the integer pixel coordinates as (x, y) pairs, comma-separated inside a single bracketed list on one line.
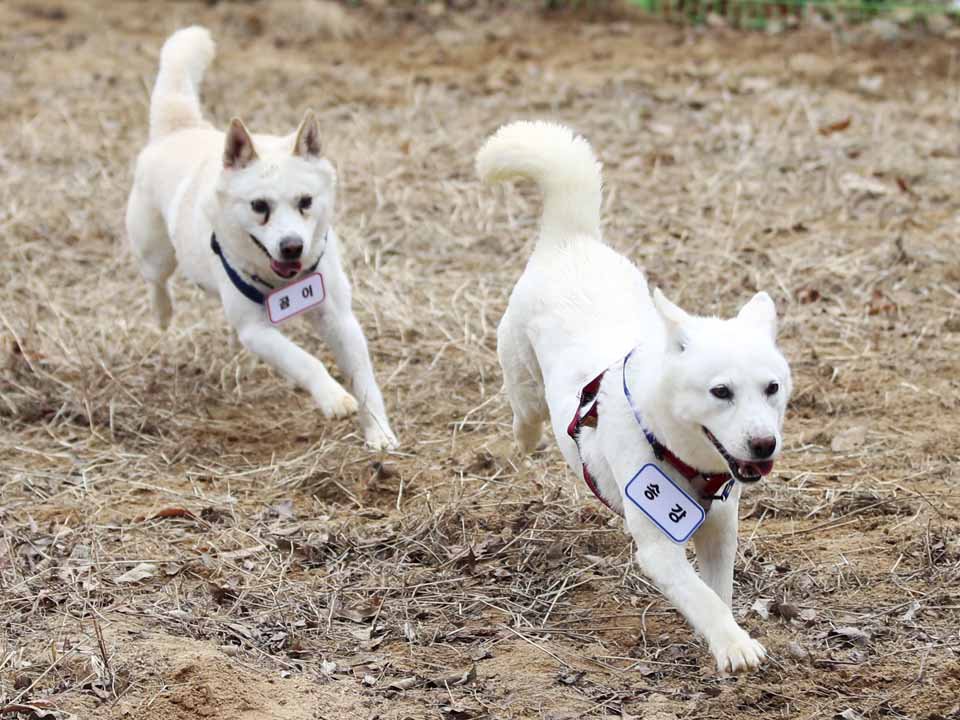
[(250, 292), (246, 289)]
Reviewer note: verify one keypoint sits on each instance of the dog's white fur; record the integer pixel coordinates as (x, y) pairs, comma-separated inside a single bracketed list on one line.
[(578, 308), (192, 180)]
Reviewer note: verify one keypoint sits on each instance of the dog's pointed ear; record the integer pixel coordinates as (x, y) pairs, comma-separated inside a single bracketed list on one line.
[(760, 311), (238, 150), (674, 318), (308, 137)]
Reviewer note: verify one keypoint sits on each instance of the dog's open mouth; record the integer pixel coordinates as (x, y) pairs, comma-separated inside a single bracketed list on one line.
[(284, 269), (742, 470)]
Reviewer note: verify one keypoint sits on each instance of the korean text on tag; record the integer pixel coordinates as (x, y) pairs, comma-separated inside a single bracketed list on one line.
[(296, 297), (673, 511)]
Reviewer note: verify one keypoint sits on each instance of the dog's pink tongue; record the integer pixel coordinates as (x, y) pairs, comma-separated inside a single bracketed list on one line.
[(761, 468), (285, 269)]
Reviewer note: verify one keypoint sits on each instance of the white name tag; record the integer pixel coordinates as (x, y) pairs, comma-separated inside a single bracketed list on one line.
[(669, 507), (296, 297)]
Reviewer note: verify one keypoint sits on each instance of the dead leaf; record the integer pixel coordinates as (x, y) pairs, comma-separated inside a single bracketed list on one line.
[(761, 607), (835, 127), (243, 553), (403, 684), (136, 574), (798, 651), (462, 678), (362, 634), (357, 614), (849, 714), (459, 712), (39, 710), (173, 512), (852, 634)]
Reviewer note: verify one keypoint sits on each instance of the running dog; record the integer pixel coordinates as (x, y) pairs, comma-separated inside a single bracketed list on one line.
[(248, 218), (665, 414)]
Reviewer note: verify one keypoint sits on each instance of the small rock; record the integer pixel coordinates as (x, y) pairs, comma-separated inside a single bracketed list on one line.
[(798, 652)]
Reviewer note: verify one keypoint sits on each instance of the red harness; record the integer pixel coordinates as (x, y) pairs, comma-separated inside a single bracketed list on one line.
[(588, 396), (706, 484)]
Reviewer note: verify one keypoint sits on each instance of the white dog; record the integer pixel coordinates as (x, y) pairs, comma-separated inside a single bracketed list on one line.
[(660, 410), (249, 219)]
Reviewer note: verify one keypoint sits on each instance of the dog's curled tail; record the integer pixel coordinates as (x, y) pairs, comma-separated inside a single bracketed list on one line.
[(561, 163), (175, 103)]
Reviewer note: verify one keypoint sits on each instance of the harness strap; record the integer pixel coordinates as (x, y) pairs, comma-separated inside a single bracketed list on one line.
[(587, 415)]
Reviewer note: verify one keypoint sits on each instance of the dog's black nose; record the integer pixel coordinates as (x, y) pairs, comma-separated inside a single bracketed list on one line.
[(763, 448), (291, 248)]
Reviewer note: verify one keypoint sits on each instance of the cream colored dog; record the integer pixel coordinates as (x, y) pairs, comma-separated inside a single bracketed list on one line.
[(246, 217), (665, 414)]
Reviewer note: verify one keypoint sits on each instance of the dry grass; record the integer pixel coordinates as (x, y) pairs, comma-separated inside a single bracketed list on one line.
[(285, 573)]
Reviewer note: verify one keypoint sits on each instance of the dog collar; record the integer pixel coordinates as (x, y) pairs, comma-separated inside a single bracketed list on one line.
[(711, 486), (246, 289)]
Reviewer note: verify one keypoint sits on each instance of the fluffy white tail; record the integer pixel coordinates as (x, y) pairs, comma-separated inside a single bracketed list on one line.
[(561, 163), (175, 103)]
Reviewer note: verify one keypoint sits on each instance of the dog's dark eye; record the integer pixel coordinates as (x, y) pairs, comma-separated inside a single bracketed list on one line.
[(304, 203), (722, 392), (260, 207), (772, 389)]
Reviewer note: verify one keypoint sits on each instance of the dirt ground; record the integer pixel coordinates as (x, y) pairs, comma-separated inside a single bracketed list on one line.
[(183, 536)]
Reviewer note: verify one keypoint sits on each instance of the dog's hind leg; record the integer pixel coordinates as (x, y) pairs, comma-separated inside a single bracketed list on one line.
[(524, 386), (156, 257)]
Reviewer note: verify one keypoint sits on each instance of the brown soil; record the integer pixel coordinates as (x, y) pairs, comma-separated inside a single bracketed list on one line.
[(286, 573)]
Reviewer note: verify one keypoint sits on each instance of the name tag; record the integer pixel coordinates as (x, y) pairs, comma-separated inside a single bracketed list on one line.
[(673, 511), (296, 297)]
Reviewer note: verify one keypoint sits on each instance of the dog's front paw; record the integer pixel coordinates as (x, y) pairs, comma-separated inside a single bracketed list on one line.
[(379, 437), (739, 655), (337, 403)]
